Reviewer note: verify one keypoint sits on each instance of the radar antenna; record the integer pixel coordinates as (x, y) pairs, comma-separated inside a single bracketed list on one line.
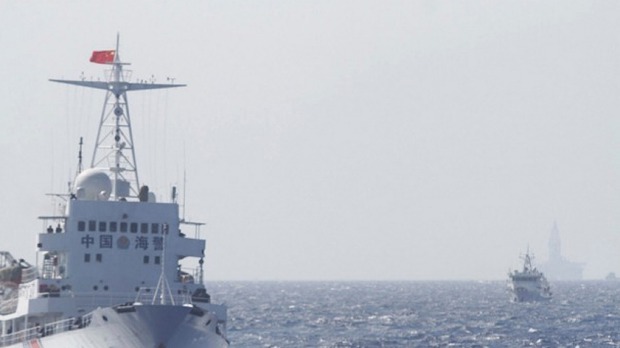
[(114, 149)]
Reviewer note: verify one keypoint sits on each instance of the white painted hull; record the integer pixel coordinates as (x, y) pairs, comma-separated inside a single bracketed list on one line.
[(158, 326), (523, 294), (534, 289)]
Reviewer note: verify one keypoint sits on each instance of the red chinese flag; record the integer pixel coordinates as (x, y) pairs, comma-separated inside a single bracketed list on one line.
[(102, 57)]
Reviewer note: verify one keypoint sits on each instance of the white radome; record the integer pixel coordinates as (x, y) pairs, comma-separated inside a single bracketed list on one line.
[(93, 185)]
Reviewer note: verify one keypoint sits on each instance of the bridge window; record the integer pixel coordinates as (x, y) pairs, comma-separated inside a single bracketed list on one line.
[(155, 228), (123, 227), (81, 226), (133, 227), (86, 257), (92, 225), (146, 259), (144, 227), (113, 226), (103, 226)]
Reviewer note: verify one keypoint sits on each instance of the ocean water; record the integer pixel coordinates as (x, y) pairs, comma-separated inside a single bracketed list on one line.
[(417, 314)]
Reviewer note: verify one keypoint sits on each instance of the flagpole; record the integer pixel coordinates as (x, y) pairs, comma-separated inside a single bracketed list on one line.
[(118, 39)]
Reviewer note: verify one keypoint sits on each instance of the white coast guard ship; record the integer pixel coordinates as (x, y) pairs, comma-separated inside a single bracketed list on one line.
[(108, 272), (528, 284)]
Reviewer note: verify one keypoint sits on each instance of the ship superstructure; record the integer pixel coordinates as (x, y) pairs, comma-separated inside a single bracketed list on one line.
[(529, 284), (109, 269)]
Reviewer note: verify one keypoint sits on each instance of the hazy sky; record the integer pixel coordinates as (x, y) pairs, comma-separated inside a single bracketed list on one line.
[(336, 139)]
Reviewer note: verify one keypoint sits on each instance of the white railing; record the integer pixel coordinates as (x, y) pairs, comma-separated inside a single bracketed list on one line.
[(48, 329), (8, 306), (92, 300), (146, 295), (29, 274)]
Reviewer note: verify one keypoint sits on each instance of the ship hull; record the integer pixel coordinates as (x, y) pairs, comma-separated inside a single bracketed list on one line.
[(522, 294), (530, 289), (137, 326)]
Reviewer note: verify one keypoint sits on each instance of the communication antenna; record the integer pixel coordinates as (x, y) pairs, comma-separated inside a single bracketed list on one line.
[(79, 169), (184, 195), (163, 288)]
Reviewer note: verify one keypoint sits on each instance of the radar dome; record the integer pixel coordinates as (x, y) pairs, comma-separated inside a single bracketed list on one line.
[(93, 185)]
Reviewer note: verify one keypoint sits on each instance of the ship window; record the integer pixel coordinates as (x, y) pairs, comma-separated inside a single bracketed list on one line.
[(157, 260), (123, 227), (86, 257), (113, 226), (155, 228), (92, 225), (146, 259), (98, 257), (81, 226), (133, 228), (103, 226), (144, 227)]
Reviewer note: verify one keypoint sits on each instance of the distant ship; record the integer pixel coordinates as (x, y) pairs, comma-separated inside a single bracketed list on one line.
[(108, 270), (529, 284)]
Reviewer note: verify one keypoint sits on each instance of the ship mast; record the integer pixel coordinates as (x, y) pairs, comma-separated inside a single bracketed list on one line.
[(114, 149)]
